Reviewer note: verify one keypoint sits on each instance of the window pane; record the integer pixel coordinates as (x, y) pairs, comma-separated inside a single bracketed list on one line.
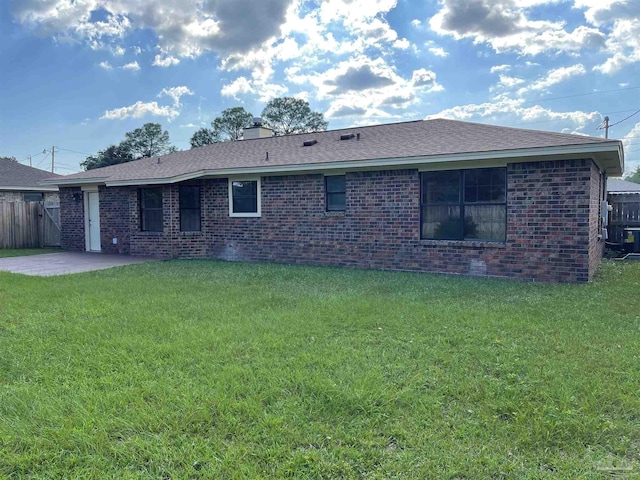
[(190, 220), (441, 187), (152, 197), (336, 184), (441, 222), (485, 185), (336, 201), (189, 196), (485, 222), (152, 220), (243, 189), (245, 204)]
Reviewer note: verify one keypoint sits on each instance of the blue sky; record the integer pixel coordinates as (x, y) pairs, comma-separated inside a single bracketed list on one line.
[(79, 74)]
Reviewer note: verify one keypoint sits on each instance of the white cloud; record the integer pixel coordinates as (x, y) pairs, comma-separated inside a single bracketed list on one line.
[(631, 161), (175, 93), (186, 28), (500, 68), (513, 111), (139, 110), (439, 52), (106, 65), (510, 82), (555, 76), (165, 61), (118, 51), (504, 25), (240, 86), (133, 66)]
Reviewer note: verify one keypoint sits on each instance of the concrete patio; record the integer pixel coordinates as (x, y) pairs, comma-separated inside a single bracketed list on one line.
[(64, 263)]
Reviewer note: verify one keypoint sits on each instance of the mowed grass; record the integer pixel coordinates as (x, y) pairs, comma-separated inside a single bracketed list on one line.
[(205, 369), (21, 252)]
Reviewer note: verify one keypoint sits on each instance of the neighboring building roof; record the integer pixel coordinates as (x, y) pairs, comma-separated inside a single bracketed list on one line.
[(17, 177), (398, 145), (617, 185)]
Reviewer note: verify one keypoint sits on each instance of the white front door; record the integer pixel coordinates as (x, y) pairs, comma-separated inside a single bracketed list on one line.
[(92, 221)]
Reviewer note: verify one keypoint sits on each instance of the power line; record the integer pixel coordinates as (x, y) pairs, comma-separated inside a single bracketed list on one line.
[(625, 119), (43, 159), (74, 151)]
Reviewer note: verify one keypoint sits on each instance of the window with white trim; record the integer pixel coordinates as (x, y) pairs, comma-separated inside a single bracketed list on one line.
[(244, 197)]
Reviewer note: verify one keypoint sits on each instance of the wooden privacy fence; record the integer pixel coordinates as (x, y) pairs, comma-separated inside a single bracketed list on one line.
[(625, 213), (29, 225)]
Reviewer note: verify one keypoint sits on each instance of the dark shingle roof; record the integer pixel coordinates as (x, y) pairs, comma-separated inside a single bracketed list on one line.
[(390, 141), (14, 174), (617, 185)]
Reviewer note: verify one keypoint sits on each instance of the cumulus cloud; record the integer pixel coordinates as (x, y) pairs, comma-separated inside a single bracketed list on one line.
[(514, 111), (133, 66), (184, 29), (139, 110), (500, 68), (505, 26), (105, 65), (358, 78), (175, 93), (555, 76), (165, 61)]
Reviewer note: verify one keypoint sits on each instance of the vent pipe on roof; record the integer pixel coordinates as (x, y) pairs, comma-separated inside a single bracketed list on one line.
[(309, 143), (347, 136)]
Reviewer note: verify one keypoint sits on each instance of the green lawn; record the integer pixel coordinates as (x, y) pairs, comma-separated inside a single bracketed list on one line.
[(205, 369), (21, 252)]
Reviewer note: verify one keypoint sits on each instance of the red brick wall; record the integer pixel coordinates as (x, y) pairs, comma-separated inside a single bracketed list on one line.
[(72, 219), (552, 225), (114, 219)]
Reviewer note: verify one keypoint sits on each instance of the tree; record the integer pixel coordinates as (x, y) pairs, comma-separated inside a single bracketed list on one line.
[(227, 127), (231, 123), (634, 177), (112, 155), (204, 136), (289, 115), (147, 141)]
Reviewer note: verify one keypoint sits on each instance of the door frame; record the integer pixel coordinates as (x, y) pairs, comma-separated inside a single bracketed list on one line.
[(88, 241)]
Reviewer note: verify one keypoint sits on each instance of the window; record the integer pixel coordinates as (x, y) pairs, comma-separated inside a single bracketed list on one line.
[(465, 204), (151, 209), (32, 196), (189, 208), (335, 192), (244, 198)]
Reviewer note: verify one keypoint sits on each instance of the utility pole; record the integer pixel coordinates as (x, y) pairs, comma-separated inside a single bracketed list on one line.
[(606, 127), (30, 164), (53, 153)]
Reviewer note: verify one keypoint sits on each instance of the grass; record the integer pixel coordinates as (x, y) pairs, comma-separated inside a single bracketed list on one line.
[(204, 369), (21, 252)]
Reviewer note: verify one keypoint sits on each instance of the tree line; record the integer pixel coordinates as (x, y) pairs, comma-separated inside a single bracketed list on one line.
[(285, 116)]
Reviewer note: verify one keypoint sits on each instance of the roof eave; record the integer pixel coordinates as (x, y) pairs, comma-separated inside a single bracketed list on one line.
[(22, 188), (609, 156)]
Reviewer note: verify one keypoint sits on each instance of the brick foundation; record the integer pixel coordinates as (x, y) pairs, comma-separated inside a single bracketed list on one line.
[(552, 225)]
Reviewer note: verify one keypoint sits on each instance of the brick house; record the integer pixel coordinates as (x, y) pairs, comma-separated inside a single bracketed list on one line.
[(21, 183), (430, 196)]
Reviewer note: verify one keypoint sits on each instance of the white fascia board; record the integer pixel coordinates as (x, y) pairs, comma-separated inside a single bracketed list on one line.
[(521, 155), (29, 189), (76, 182)]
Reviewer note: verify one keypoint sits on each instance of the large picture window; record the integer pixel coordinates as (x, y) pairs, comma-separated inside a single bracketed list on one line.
[(335, 192), (151, 209), (189, 208), (464, 204), (244, 198)]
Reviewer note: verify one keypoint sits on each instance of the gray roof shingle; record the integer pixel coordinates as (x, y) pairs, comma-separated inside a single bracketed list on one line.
[(14, 174), (389, 141), (617, 185)]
